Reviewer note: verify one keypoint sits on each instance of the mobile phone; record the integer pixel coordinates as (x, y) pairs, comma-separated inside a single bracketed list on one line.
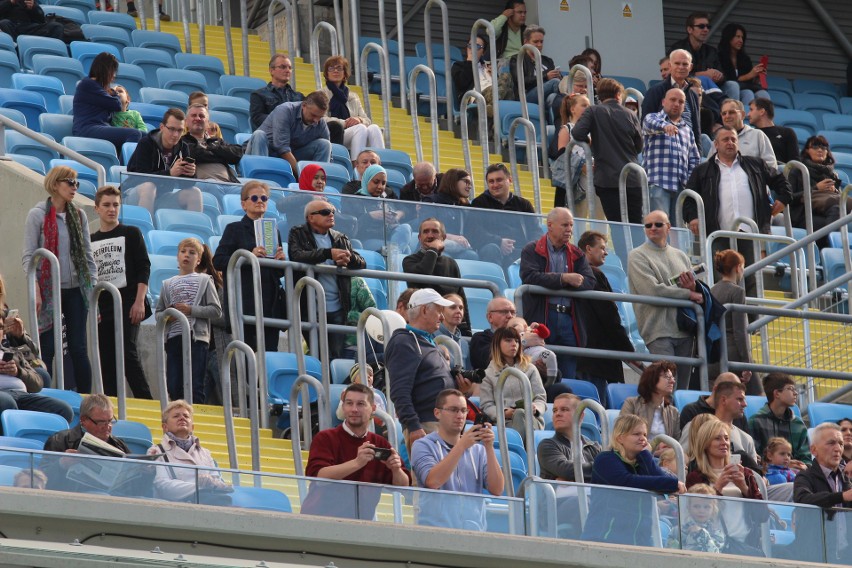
[(189, 160), (7, 356), (480, 419), (736, 459), (12, 314), (382, 454)]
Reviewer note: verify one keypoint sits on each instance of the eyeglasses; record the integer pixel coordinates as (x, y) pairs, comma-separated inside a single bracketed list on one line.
[(658, 225), (109, 421), (282, 67), (702, 26), (504, 312), (336, 68), (455, 410), (790, 388), (324, 212), (173, 129), (261, 198), (818, 146), (478, 45), (72, 182)]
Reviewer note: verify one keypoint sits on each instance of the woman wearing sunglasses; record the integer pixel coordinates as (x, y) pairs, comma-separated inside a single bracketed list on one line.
[(58, 226), (240, 235)]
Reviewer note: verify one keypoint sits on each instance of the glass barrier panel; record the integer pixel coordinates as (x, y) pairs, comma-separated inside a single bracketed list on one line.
[(120, 477), (838, 535)]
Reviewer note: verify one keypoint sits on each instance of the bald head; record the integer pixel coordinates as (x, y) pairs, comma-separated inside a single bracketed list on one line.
[(674, 103), (499, 312)]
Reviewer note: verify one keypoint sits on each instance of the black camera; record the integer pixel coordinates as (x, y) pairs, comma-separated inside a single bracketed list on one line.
[(473, 375)]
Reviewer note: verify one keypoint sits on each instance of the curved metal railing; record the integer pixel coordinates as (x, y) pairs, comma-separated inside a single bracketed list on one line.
[(386, 87), (527, 50), (529, 439), (56, 292), (477, 84), (433, 112), (186, 343), (94, 351), (532, 158), (315, 53)]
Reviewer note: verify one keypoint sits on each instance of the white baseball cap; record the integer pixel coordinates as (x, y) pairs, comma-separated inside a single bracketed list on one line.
[(427, 296)]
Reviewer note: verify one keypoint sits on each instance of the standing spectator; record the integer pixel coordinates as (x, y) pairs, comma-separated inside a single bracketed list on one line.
[(777, 419), (741, 77), (295, 131), (506, 351), (509, 28), (474, 62), (729, 290), (550, 74), (785, 143), (617, 140), (555, 455), (60, 227), (572, 108), (498, 313), (496, 239), (240, 236), (316, 242), (553, 262), (122, 259), (704, 56), (344, 108), (649, 269), (680, 64), (131, 11), (654, 402), (670, 151), (279, 90), (95, 102), (25, 17), (425, 181), (194, 295), (603, 321), (364, 160), (752, 142)]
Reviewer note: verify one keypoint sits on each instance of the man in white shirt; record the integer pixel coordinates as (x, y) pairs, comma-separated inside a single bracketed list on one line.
[(752, 142)]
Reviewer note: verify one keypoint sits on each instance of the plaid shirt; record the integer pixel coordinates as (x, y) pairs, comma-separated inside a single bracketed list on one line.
[(669, 160)]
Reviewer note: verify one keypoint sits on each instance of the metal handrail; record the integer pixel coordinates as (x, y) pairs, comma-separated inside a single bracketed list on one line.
[(292, 35), (94, 349), (355, 15), (532, 158), (589, 81), (433, 112), (386, 87), (482, 123), (400, 38), (226, 24), (56, 292), (701, 237), (393, 440), (143, 21), (183, 7), (529, 438), (590, 176), (296, 316), (202, 27), (338, 25), (809, 213), (362, 348), (430, 60), (235, 308), (576, 433), (228, 406), (186, 343), (301, 386), (156, 10), (452, 346), (6, 122), (643, 183), (477, 84), (680, 457), (525, 51), (315, 52), (844, 240), (755, 247), (245, 36)]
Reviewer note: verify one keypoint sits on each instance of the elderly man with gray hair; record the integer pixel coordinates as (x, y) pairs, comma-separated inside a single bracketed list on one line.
[(424, 182), (681, 64)]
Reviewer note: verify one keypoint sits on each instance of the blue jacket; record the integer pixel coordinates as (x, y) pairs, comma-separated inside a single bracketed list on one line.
[(92, 106)]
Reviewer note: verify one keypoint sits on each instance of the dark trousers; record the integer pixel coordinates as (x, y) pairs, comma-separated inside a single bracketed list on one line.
[(20, 400), (174, 368), (270, 337), (47, 29), (132, 364), (612, 204), (75, 312)]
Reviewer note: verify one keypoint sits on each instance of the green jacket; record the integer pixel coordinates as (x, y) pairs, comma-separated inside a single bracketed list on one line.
[(765, 425)]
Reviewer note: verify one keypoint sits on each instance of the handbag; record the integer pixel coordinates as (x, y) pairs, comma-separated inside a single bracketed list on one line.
[(734, 546)]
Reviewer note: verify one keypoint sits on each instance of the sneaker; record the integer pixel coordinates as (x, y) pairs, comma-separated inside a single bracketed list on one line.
[(133, 13), (165, 17)]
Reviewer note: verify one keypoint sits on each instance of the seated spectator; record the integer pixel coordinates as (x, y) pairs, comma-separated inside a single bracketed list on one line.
[(213, 130), (701, 530), (706, 404), (30, 478), (776, 418), (198, 98), (741, 79), (778, 457), (279, 90), (785, 143), (846, 429), (378, 220), (424, 182), (627, 463), (344, 108), (25, 17), (312, 180), (752, 142), (506, 351), (474, 62), (126, 118), (498, 312), (354, 378), (454, 319), (712, 465), (351, 452), (555, 456), (362, 161), (95, 102), (570, 111), (436, 253), (453, 460), (654, 402), (180, 447), (550, 74), (214, 158), (16, 336), (453, 188), (163, 152)]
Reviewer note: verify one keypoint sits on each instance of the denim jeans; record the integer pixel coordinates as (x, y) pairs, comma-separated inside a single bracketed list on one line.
[(663, 200), (318, 150), (75, 312), (562, 333), (174, 368), (20, 400)]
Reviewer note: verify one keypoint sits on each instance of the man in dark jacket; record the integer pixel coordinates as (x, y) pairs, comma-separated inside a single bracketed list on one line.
[(553, 262), (555, 455), (25, 17), (550, 74), (425, 182), (462, 72), (316, 242), (214, 158), (277, 91), (163, 153), (680, 62)]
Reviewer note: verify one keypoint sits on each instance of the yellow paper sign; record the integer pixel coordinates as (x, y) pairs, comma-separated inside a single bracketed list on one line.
[(627, 11)]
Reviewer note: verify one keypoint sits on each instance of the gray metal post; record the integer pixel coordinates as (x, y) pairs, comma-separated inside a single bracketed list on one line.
[(32, 314), (202, 27), (362, 348), (527, 50), (244, 30), (482, 123), (226, 24), (844, 240), (400, 38), (452, 346), (302, 384), (701, 237), (338, 25), (386, 87), (433, 112), (477, 85), (529, 439), (228, 407), (589, 81), (354, 15), (636, 94), (315, 52), (643, 183), (118, 338), (143, 21), (809, 215), (393, 440), (680, 458), (532, 158), (183, 7), (430, 60), (576, 432), (156, 9), (186, 343)]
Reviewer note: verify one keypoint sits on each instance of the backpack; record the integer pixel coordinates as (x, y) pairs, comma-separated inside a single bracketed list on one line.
[(72, 31)]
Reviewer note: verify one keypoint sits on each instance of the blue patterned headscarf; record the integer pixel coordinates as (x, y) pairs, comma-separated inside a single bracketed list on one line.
[(368, 174)]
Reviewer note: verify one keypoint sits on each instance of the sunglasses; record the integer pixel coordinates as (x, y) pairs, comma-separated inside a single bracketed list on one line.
[(261, 198), (71, 182), (324, 212), (702, 26), (658, 225), (818, 146)]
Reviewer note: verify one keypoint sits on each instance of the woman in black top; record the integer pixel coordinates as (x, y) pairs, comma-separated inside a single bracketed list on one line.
[(741, 77)]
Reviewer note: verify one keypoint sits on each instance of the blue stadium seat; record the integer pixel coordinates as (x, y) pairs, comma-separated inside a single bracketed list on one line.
[(164, 97), (397, 160), (101, 151), (132, 78), (336, 175), (234, 105), (396, 180), (149, 60), (84, 173), (30, 162), (162, 267), (781, 98), (846, 105), (8, 474), (514, 441), (228, 124), (127, 150), (225, 219), (816, 104), (339, 369), (74, 399), (518, 467), (814, 86), (833, 263), (583, 389), (776, 82), (835, 241), (182, 80), (260, 499), (481, 270), (50, 88), (66, 104), (66, 69), (114, 175), (21, 458), (9, 65), (151, 113), (7, 43), (87, 187), (839, 141), (617, 278), (30, 103), (190, 221), (138, 217), (683, 397), (111, 35), (281, 371), (340, 155), (617, 393), (213, 242), (85, 52), (210, 67), (67, 9), (239, 86), (211, 206), (375, 261), (820, 412), (267, 167), (630, 82), (438, 51), (374, 67), (161, 41), (837, 122), (379, 292), (477, 301), (28, 46), (38, 426), (113, 19), (799, 118), (17, 143), (136, 435), (15, 115), (166, 242)]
